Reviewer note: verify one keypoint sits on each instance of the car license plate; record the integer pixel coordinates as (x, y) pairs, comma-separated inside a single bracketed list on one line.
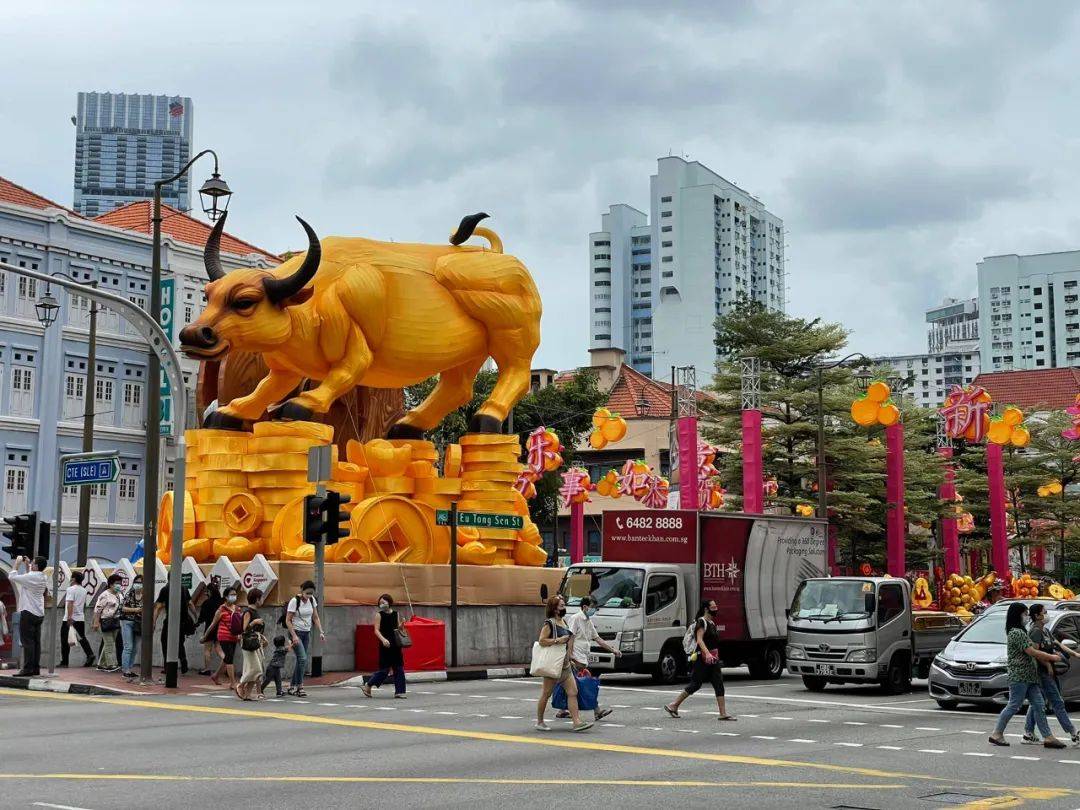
[(970, 688), (824, 669), (594, 658)]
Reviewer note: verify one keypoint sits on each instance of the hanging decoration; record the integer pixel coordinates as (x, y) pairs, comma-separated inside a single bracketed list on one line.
[(875, 407), (804, 509), (967, 413), (771, 487), (608, 427), (575, 487), (710, 493), (1009, 428), (1049, 489), (1072, 433), (543, 454)]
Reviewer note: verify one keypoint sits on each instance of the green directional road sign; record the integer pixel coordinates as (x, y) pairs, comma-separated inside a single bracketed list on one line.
[(167, 321), (480, 520)]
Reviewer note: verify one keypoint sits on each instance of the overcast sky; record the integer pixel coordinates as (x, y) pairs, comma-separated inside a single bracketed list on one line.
[(900, 142)]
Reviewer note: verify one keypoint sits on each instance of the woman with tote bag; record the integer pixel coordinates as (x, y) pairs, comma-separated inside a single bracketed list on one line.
[(551, 660)]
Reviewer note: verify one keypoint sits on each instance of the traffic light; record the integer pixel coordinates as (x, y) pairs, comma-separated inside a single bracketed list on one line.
[(20, 532), (43, 539), (323, 518)]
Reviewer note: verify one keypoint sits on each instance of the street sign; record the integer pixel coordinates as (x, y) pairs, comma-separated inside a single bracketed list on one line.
[(480, 520), (91, 471), (167, 321)]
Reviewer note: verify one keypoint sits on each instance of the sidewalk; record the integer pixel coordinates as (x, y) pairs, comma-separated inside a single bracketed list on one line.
[(84, 681)]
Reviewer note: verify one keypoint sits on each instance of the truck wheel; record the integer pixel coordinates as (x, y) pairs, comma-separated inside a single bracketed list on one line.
[(814, 683), (769, 664), (897, 678), (668, 666)]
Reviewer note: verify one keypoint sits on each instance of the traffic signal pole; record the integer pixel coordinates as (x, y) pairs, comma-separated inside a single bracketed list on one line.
[(320, 563)]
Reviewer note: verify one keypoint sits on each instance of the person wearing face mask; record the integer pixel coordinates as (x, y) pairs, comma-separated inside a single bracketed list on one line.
[(706, 662), (555, 632), (222, 629), (131, 626), (390, 657), (1048, 680), (300, 614), (107, 622), (585, 635)]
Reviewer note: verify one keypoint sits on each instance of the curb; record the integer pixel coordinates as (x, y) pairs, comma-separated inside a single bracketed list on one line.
[(63, 687), (481, 674)]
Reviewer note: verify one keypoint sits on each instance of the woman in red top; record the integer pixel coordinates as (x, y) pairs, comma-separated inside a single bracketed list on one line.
[(222, 626)]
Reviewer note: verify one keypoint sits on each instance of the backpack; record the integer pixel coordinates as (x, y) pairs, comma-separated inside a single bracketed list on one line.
[(689, 639), (236, 623)]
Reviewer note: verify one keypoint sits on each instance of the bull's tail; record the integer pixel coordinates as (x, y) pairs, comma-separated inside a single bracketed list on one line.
[(468, 228)]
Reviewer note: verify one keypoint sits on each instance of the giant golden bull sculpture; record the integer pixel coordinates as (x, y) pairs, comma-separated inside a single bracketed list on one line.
[(355, 311)]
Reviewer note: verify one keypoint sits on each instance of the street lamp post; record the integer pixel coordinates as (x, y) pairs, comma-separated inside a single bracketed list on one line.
[(213, 190), (823, 496), (47, 310)]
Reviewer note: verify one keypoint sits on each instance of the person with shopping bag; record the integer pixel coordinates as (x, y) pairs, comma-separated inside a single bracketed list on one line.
[(551, 658), (585, 635)]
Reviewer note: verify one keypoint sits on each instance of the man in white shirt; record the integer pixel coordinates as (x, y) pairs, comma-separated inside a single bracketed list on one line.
[(585, 636), (30, 596), (75, 617)]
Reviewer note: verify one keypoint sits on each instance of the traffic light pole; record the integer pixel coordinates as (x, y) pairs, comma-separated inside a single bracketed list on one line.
[(151, 331), (320, 563)]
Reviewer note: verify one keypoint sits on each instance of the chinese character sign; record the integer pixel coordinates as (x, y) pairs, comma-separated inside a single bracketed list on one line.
[(966, 413)]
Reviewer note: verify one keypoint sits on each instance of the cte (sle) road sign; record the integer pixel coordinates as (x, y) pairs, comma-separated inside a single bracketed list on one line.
[(480, 520), (91, 471)]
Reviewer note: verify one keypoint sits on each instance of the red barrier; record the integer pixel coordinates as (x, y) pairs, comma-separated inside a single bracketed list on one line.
[(427, 653)]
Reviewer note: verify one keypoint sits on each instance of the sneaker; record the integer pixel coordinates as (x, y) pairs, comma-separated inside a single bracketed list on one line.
[(280, 694), (400, 696), (562, 714), (1030, 739), (366, 690), (1075, 739), (1053, 742), (583, 726), (542, 726)]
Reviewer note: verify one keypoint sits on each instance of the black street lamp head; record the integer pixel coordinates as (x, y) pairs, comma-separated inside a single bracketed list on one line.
[(642, 406), (215, 194), (863, 379), (47, 309)]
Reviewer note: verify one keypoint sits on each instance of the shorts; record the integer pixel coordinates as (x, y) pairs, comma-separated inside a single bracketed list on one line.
[(228, 651)]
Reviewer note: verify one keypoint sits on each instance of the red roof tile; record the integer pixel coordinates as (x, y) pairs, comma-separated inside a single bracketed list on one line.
[(628, 389), (1037, 389), (14, 193), (136, 216)]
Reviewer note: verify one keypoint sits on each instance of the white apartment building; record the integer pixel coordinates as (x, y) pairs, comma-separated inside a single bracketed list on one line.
[(1030, 311), (658, 283), (953, 358)]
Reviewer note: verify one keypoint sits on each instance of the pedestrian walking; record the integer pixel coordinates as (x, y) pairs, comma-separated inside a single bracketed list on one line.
[(131, 626), (276, 665), (301, 613), (187, 625), (387, 631), (29, 581), (1048, 680), (107, 622), (706, 663), (207, 611), (222, 628), (252, 642), (75, 621), (1022, 654), (554, 633), (585, 635)]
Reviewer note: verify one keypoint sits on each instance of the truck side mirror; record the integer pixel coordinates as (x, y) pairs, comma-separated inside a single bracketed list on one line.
[(543, 592)]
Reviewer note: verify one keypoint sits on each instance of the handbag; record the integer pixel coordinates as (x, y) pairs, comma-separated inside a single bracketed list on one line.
[(547, 661), (251, 641), (402, 637), (588, 692), (110, 624)]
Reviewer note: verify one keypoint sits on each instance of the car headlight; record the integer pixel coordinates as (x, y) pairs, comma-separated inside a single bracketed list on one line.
[(630, 641), (866, 655), (795, 652), (942, 661)]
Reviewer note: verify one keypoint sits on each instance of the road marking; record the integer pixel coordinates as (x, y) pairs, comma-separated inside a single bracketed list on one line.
[(1025, 759), (976, 754), (385, 708), (364, 706), (931, 750), (480, 697), (808, 720), (651, 728), (328, 704), (511, 717), (452, 714), (853, 723), (620, 706), (727, 734), (890, 725), (781, 718), (849, 745), (761, 737), (926, 728), (691, 731), (891, 747), (803, 741), (58, 806), (536, 740), (417, 711), (478, 715), (450, 694), (1069, 761), (614, 725)]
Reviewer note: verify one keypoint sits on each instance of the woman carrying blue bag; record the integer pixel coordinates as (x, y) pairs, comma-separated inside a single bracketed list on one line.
[(585, 635)]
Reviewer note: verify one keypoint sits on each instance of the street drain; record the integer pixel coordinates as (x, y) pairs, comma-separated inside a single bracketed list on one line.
[(967, 798)]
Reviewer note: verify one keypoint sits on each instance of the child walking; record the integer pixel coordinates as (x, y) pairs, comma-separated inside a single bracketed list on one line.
[(276, 665)]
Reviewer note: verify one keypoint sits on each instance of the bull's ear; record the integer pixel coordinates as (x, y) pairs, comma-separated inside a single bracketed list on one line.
[(300, 297)]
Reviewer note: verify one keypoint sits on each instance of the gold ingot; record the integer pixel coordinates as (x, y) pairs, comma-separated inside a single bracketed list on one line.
[(243, 513), (199, 549), (214, 529), (218, 445), (438, 486), (223, 461), (471, 457), (499, 440), (476, 553), (347, 471), (165, 523), (421, 450), (205, 437), (385, 460), (514, 467), (274, 462), (500, 495), (303, 553), (420, 469), (355, 453), (490, 475), (209, 512), (397, 529), (506, 535), (216, 495), (392, 486), (277, 480), (280, 497), (486, 486), (306, 430), (452, 461), (281, 444), (220, 478), (238, 549), (530, 533)]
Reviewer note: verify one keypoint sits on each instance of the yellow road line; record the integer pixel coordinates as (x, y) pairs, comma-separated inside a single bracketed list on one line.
[(580, 744), (436, 780)]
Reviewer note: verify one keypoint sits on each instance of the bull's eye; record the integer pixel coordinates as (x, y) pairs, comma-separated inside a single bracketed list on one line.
[(244, 304)]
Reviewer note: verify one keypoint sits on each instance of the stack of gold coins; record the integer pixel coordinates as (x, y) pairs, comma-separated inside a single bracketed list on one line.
[(276, 467), (489, 466), (217, 477)]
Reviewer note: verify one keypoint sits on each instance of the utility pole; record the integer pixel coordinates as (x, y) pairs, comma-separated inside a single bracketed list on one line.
[(83, 548)]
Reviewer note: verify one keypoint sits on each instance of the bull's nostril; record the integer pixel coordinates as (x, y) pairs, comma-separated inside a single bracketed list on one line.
[(207, 336)]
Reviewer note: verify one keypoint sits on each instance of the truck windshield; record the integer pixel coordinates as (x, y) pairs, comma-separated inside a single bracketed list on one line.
[(610, 587), (824, 599)]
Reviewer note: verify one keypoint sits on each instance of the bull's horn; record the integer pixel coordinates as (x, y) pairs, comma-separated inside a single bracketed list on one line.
[(280, 289), (211, 253)]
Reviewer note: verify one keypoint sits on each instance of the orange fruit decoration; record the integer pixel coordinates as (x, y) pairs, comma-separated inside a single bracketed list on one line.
[(878, 392), (888, 414), (600, 417), (597, 440), (864, 412), (1000, 431), (1020, 437), (614, 429), (1012, 416)]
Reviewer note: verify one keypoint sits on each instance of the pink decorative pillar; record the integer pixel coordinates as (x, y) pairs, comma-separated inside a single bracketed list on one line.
[(1038, 557), (974, 563), (688, 462), (895, 519), (999, 538), (950, 536), (577, 532), (753, 471)]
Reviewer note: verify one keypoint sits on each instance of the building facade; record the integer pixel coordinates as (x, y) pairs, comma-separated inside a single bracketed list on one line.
[(123, 143), (1030, 311), (43, 371), (658, 282)]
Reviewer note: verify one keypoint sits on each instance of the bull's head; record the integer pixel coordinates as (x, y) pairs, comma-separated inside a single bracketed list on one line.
[(246, 309)]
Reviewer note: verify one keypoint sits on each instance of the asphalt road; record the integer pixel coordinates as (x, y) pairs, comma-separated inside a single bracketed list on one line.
[(472, 744)]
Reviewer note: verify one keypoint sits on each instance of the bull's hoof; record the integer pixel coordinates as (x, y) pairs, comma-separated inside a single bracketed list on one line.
[(216, 420), (401, 430), (482, 423), (293, 412)]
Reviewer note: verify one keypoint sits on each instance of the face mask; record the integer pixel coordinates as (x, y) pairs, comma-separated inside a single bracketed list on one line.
[(712, 612), (590, 612), (309, 594), (137, 586), (383, 606), (562, 611), (230, 598), (118, 588)]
